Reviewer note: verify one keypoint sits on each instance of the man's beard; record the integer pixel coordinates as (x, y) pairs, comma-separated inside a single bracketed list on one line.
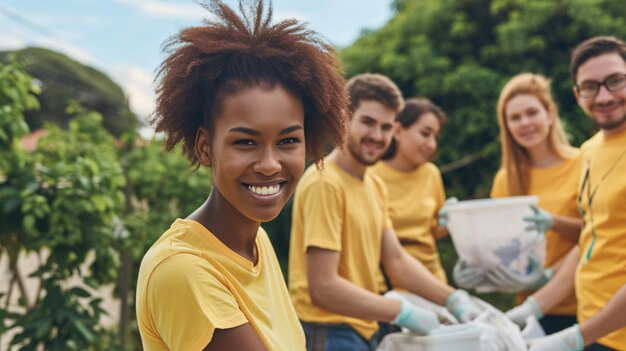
[(353, 149), (611, 124)]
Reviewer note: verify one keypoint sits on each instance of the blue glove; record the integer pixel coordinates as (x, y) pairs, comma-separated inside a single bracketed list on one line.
[(507, 280), (416, 319), (443, 211), (540, 221), (466, 276), (462, 307), (569, 339), (519, 314)]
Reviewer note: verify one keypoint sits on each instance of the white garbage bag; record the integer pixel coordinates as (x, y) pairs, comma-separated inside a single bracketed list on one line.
[(492, 330)]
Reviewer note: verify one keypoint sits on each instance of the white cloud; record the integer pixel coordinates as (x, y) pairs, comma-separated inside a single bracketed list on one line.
[(189, 10), (57, 44), (10, 39), (137, 84), (161, 8), (84, 21)]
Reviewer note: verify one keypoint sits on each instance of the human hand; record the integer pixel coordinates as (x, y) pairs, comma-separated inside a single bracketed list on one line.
[(443, 211), (539, 221), (461, 306), (569, 339), (507, 280), (519, 314), (466, 276), (416, 319)]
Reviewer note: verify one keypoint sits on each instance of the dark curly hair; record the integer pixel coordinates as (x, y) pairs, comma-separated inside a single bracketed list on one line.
[(230, 53)]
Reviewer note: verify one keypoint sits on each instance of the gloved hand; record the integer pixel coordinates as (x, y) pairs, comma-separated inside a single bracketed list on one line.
[(466, 276), (569, 339), (519, 314), (416, 319), (507, 280), (443, 315), (443, 211), (540, 221), (461, 306)]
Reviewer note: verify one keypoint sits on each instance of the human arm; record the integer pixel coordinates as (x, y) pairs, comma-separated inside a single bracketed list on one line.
[(408, 273), (560, 287), (568, 227), (242, 337), (332, 292), (610, 318), (439, 232), (542, 220)]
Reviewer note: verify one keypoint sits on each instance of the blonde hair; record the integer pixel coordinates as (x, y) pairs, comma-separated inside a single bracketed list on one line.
[(515, 158)]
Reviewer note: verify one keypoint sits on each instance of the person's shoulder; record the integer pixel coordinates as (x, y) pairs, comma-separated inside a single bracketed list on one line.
[(326, 176), (432, 169), (573, 157), (592, 142), (500, 175), (378, 183)]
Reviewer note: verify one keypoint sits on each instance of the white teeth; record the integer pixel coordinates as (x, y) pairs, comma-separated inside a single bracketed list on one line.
[(264, 190)]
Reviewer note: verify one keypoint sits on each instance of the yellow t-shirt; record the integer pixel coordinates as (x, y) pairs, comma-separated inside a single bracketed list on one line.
[(414, 201), (190, 284), (336, 211), (557, 189), (602, 268)]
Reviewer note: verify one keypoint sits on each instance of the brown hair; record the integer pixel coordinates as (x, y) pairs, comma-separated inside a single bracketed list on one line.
[(595, 47), (515, 159), (374, 86), (413, 110), (230, 53)]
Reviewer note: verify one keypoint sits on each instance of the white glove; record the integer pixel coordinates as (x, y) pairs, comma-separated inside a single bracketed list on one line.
[(466, 276), (569, 339), (461, 306), (443, 315), (416, 319), (507, 280), (519, 314), (540, 221)]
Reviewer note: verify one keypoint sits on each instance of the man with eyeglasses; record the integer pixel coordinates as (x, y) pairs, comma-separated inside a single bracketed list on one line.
[(598, 67)]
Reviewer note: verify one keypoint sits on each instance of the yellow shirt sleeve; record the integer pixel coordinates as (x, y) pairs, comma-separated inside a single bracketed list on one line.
[(499, 187), (177, 298), (324, 207)]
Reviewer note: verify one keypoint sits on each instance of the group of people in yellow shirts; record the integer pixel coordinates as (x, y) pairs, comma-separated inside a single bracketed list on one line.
[(254, 100)]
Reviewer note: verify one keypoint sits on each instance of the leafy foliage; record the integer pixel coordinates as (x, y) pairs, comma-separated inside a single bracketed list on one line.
[(81, 199), (62, 80), (460, 53)]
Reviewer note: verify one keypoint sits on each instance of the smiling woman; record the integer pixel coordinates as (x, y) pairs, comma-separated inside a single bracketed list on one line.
[(250, 100), (538, 160)]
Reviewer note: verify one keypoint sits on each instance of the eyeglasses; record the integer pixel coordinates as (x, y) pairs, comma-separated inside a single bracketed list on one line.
[(591, 88)]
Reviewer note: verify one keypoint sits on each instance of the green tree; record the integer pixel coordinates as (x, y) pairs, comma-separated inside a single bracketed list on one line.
[(62, 80), (459, 53), (58, 202)]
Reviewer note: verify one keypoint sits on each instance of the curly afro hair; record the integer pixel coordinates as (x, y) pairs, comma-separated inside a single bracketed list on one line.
[(232, 52)]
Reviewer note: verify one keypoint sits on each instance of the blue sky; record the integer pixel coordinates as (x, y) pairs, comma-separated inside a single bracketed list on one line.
[(123, 37)]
